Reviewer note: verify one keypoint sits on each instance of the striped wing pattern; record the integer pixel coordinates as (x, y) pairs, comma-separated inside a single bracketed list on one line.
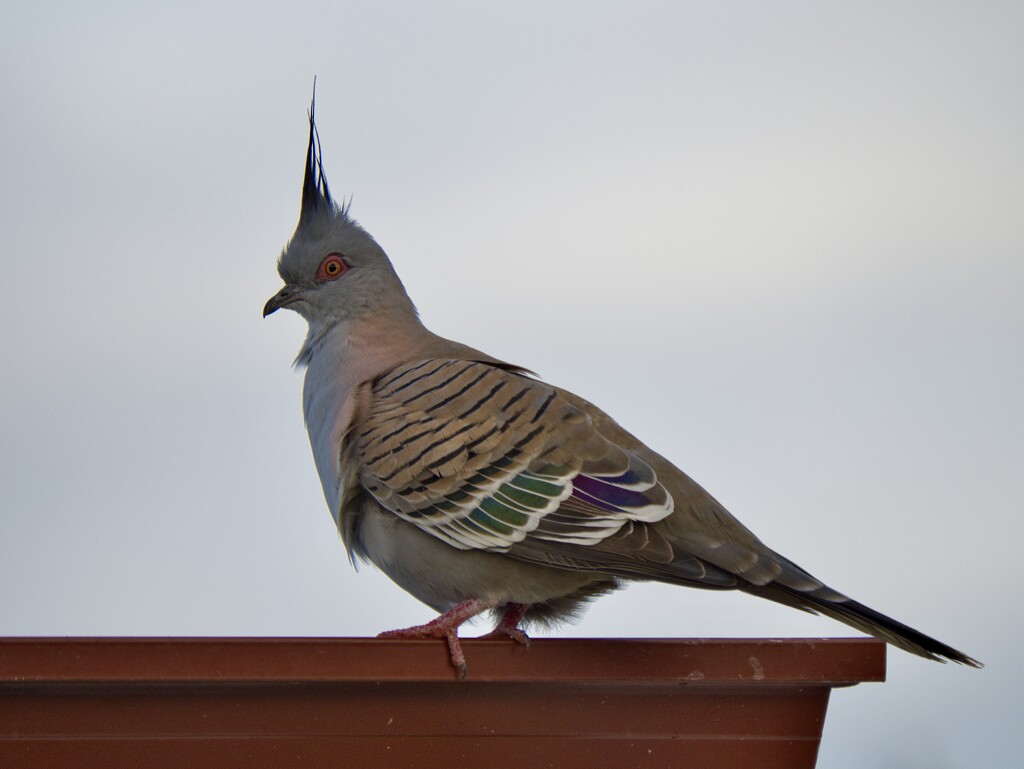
[(482, 458)]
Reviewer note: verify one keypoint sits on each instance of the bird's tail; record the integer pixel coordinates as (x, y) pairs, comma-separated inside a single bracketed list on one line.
[(862, 618)]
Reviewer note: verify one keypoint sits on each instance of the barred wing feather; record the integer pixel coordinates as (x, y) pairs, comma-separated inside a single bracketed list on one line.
[(483, 458)]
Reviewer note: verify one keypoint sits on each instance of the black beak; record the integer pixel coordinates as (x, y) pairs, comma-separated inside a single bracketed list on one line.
[(282, 298)]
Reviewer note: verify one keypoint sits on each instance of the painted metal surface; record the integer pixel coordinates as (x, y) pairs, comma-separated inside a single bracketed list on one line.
[(595, 703)]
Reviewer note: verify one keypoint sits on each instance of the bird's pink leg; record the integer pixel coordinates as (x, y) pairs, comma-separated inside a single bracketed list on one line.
[(508, 627), (446, 626)]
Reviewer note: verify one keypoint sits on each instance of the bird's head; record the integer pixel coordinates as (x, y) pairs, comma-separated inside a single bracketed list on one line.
[(332, 269)]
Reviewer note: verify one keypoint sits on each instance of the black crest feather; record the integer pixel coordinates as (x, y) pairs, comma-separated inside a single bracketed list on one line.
[(315, 194)]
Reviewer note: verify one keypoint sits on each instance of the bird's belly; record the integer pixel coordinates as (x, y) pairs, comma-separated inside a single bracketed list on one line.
[(442, 576)]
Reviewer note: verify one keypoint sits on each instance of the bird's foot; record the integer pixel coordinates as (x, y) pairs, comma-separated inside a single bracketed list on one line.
[(508, 627), (446, 626)]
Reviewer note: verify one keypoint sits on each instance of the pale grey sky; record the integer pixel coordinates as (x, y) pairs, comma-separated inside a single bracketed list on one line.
[(783, 243)]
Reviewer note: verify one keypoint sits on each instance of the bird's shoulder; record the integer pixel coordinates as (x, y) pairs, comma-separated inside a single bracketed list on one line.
[(446, 418)]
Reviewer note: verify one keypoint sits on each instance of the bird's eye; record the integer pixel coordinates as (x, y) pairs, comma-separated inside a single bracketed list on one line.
[(331, 268)]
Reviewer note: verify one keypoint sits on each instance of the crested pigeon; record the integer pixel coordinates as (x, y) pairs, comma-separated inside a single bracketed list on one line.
[(477, 487)]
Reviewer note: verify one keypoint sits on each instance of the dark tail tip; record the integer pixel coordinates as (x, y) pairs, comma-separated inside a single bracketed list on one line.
[(867, 620)]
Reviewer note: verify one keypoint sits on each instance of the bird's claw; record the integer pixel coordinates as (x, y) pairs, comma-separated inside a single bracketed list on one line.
[(508, 627), (516, 634), (447, 627), (434, 630)]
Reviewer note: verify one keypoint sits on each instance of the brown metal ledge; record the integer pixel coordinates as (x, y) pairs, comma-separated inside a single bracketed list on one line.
[(353, 702)]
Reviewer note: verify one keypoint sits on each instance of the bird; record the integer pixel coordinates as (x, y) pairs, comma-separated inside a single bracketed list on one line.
[(479, 488)]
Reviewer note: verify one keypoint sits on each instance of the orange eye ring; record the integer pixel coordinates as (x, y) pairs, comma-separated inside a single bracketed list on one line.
[(331, 268)]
